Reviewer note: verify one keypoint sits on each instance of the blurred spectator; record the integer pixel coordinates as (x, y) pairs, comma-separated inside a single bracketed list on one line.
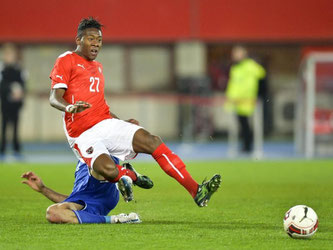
[(218, 72), (242, 92), (11, 97)]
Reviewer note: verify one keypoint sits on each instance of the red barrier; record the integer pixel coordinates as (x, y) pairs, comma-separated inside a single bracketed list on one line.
[(323, 121), (169, 20)]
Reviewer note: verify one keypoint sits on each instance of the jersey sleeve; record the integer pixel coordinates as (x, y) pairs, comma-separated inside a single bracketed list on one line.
[(61, 72)]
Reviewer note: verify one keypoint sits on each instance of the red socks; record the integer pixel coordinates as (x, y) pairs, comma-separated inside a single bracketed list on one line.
[(171, 164), (123, 171), (174, 167)]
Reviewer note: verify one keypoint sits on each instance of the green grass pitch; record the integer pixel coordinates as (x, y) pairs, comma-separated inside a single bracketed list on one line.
[(246, 212)]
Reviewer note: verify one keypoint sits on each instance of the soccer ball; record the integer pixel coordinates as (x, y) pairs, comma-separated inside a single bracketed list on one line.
[(300, 221)]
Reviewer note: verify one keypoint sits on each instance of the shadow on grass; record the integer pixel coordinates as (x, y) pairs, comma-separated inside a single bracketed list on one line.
[(216, 225)]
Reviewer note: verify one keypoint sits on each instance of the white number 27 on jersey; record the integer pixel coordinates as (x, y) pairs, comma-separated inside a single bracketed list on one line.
[(94, 86)]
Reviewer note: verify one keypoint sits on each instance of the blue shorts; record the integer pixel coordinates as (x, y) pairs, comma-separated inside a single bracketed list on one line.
[(97, 197)]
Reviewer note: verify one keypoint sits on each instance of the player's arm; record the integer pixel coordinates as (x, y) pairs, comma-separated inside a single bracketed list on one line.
[(113, 115), (33, 181), (57, 101)]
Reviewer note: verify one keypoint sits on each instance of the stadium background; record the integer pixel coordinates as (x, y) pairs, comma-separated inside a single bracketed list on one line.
[(154, 51), (165, 61)]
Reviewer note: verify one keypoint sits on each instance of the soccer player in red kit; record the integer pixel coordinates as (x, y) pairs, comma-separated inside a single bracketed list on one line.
[(95, 132)]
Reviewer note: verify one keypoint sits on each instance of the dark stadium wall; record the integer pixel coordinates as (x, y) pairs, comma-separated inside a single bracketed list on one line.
[(169, 20)]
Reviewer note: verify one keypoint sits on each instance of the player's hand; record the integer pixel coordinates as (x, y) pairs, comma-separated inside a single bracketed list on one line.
[(78, 107), (133, 121), (33, 181)]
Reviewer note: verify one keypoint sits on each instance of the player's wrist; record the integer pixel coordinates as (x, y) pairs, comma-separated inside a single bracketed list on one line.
[(69, 108)]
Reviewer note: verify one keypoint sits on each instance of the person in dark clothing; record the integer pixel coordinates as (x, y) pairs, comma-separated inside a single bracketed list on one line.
[(11, 97)]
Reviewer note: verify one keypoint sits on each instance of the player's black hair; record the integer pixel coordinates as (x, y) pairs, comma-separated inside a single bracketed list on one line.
[(87, 23)]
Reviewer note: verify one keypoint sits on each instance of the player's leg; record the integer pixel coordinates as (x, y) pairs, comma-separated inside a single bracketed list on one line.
[(125, 183), (92, 147), (63, 213), (96, 156), (85, 217), (3, 133), (105, 168), (144, 142), (246, 133), (16, 142), (71, 213), (142, 181), (118, 174), (111, 171)]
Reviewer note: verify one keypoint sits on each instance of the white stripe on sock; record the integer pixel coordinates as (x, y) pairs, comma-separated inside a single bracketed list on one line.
[(173, 166)]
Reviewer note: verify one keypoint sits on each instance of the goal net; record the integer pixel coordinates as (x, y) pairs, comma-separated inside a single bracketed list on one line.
[(314, 110)]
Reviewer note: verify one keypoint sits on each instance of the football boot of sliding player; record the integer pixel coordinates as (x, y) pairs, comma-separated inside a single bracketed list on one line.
[(127, 218), (125, 186)]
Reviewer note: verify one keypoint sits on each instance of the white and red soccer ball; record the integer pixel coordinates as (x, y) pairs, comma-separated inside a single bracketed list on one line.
[(300, 221)]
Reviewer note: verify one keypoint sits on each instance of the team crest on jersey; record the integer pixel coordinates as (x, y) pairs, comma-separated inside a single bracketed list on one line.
[(100, 70), (90, 150)]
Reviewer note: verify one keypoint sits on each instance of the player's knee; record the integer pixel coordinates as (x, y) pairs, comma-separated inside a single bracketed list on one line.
[(155, 141), (151, 142), (144, 142), (104, 166), (110, 172), (53, 214)]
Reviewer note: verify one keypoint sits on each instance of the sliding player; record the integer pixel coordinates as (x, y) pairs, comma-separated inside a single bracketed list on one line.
[(91, 200)]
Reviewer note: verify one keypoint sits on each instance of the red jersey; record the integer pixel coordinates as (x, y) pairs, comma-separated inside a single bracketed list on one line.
[(83, 81)]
